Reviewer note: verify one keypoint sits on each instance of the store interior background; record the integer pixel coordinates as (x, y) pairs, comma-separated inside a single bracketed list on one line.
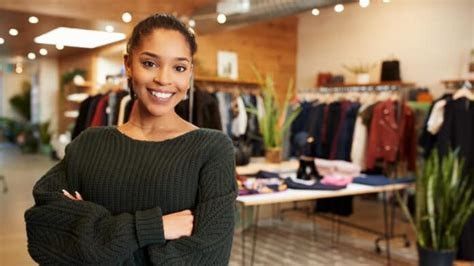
[(431, 38)]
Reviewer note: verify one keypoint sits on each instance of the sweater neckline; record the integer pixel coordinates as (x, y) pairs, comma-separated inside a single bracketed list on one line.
[(116, 131)]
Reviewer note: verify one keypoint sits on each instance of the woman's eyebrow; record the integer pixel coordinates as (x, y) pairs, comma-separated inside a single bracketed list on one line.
[(158, 57)]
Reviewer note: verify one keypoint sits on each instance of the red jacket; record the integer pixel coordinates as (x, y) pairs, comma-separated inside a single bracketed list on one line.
[(392, 139)]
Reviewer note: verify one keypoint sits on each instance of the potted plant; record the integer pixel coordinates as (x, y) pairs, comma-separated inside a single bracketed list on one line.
[(45, 138), (444, 202), (274, 122), (361, 71)]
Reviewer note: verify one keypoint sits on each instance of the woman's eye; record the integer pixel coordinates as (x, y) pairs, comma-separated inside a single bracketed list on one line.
[(180, 68), (149, 64)]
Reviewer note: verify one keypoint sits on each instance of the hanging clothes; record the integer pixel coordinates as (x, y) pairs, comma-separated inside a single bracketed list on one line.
[(428, 140), (392, 135), (344, 143), (360, 135), (205, 110), (100, 116), (239, 123)]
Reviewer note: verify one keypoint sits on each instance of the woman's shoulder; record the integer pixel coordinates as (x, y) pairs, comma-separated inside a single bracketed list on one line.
[(90, 135), (214, 137)]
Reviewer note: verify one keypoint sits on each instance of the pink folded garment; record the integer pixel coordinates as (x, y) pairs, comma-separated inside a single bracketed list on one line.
[(337, 168), (336, 180)]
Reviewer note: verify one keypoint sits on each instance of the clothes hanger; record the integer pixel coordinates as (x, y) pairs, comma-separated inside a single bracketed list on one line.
[(464, 91)]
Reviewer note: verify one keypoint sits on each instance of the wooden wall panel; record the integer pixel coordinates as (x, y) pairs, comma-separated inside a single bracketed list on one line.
[(270, 46)]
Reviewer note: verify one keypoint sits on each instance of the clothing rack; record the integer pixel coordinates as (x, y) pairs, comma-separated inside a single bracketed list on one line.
[(401, 88), (250, 86)]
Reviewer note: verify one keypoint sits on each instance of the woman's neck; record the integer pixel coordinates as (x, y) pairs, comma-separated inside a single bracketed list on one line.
[(149, 124)]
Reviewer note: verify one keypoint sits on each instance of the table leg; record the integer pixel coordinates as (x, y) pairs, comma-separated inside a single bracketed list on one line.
[(254, 244), (242, 223), (386, 225)]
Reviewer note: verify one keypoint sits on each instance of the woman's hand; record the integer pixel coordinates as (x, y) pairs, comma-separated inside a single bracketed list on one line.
[(178, 224), (76, 197)]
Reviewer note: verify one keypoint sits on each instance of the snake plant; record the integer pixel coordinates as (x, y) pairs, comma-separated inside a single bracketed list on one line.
[(444, 201)]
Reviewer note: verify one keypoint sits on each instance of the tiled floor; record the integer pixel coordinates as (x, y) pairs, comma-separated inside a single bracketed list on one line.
[(287, 242)]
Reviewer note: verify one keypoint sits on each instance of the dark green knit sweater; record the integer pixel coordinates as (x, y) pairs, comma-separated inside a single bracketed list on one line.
[(127, 186)]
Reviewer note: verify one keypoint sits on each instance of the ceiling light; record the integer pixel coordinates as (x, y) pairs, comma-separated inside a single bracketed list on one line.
[(43, 51), (221, 18), (109, 28), (79, 37), (386, 1), (2, 41), (33, 20), (364, 3), (339, 8), (59, 46), (315, 11), (126, 17), (19, 69), (31, 56), (13, 32), (192, 23)]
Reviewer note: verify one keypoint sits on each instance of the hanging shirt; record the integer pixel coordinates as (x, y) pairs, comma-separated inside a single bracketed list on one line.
[(239, 123), (436, 118)]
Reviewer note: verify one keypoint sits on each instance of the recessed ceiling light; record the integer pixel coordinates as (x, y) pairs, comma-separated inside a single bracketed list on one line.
[(31, 56), (386, 1), (79, 37), (43, 51), (126, 17), (2, 41), (364, 3), (19, 69), (192, 23), (315, 12), (13, 32), (33, 20), (59, 46), (221, 18), (109, 28), (339, 8)]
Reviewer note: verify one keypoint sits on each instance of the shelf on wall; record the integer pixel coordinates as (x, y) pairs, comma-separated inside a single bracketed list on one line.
[(372, 84), (225, 81), (455, 83), (77, 97)]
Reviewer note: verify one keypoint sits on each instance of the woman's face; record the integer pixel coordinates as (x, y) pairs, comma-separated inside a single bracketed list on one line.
[(160, 68)]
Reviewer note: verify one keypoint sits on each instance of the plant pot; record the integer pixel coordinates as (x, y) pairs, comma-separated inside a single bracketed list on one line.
[(273, 155), (45, 149), (430, 257), (363, 78)]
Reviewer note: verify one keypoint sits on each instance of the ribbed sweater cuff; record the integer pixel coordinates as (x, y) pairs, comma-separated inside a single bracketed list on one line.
[(149, 225)]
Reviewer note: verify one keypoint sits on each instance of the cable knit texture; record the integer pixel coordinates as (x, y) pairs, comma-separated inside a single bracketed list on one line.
[(127, 186)]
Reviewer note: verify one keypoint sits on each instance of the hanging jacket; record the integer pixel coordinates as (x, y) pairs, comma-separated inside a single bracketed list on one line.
[(392, 139)]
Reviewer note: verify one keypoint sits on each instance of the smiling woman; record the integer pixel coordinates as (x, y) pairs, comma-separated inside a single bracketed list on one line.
[(156, 190)]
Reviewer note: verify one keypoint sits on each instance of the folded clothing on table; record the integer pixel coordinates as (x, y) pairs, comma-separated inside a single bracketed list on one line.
[(310, 185), (380, 180)]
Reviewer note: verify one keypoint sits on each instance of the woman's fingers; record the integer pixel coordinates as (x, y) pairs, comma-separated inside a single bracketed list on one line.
[(78, 196), (67, 194)]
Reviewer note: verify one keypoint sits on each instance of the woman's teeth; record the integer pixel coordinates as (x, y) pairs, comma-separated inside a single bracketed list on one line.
[(163, 95)]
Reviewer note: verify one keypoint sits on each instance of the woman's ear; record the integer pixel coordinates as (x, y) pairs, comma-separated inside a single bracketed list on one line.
[(127, 62)]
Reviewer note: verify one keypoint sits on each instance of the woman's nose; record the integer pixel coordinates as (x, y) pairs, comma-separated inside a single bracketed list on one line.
[(162, 76)]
